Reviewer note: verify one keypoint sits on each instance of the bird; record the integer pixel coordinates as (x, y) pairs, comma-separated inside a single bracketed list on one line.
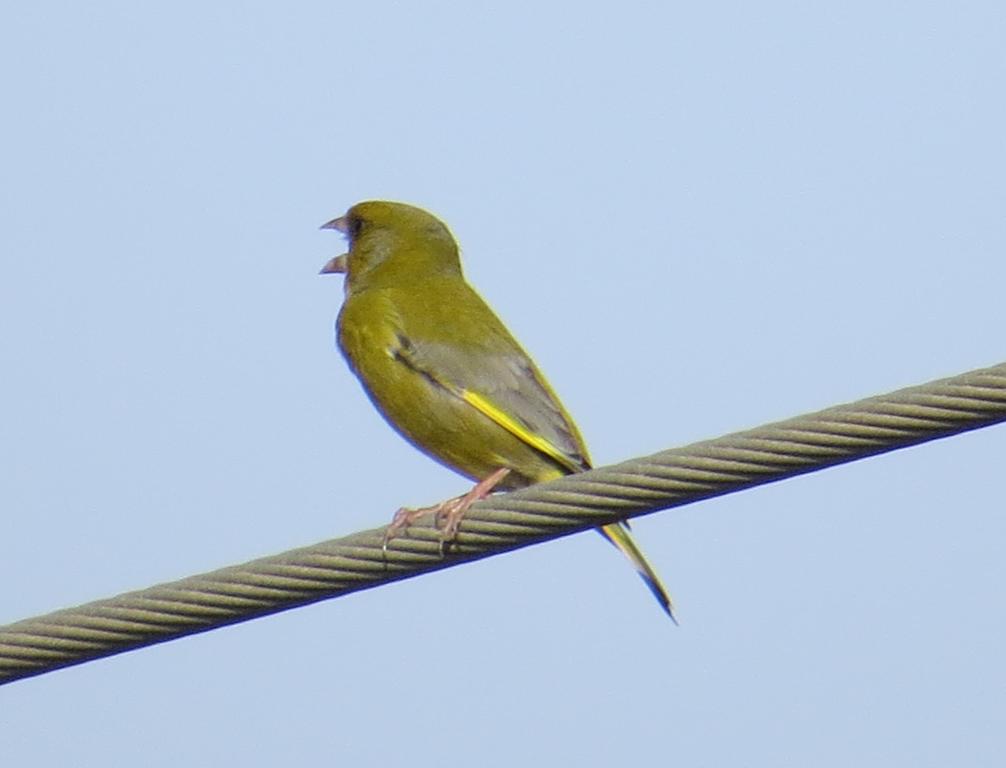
[(444, 371)]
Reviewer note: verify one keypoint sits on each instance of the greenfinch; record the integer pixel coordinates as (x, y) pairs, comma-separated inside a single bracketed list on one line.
[(445, 372)]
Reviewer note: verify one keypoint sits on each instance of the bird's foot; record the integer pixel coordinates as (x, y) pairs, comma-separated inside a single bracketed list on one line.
[(450, 513), (405, 517), (447, 515)]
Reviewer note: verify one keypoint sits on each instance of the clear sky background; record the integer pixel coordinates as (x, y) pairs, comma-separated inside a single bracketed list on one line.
[(697, 217)]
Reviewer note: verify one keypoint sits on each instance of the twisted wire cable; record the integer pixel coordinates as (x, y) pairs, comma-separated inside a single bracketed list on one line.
[(501, 523)]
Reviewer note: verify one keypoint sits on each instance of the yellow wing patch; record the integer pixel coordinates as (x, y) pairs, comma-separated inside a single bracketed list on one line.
[(514, 427)]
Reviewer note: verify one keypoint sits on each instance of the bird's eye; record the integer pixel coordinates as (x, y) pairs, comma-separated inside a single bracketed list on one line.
[(355, 227)]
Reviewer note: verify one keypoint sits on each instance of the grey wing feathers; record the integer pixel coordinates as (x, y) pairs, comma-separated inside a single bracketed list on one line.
[(513, 383)]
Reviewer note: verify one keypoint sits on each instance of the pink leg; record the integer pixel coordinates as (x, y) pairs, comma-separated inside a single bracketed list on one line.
[(447, 515)]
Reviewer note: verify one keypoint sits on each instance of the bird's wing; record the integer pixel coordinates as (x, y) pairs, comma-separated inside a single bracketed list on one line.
[(502, 383), (466, 349)]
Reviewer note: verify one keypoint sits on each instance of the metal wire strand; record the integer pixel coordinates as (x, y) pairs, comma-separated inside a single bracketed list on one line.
[(505, 522)]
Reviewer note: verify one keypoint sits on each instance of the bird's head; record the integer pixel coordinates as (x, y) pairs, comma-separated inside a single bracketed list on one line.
[(392, 243)]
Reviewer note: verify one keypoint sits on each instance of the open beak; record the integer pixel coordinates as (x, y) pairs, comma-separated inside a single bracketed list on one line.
[(338, 264), (335, 266), (340, 225)]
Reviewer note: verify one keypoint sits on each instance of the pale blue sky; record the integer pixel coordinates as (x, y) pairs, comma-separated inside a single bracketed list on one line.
[(697, 217)]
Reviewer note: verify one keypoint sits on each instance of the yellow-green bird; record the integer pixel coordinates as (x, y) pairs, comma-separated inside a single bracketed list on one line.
[(444, 370)]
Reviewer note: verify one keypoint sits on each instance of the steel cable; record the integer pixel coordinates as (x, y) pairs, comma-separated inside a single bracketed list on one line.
[(505, 522)]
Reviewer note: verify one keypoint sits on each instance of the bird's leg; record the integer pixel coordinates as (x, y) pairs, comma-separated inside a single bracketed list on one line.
[(450, 513), (447, 515)]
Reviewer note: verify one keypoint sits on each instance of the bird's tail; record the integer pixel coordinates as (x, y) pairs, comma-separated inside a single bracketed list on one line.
[(618, 534)]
